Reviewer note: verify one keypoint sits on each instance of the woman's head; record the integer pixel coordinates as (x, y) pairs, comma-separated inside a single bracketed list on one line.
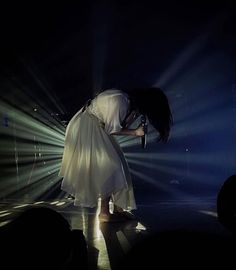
[(153, 102)]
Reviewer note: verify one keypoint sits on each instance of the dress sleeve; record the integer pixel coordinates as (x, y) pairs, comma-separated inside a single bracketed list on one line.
[(117, 109)]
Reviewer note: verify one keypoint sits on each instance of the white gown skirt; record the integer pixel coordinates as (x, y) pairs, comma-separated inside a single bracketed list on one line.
[(93, 165)]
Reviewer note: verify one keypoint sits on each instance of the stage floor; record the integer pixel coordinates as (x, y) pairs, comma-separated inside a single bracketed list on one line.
[(108, 243)]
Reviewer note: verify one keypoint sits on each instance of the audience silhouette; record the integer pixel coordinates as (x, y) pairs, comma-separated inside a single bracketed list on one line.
[(183, 250), (226, 204), (40, 238)]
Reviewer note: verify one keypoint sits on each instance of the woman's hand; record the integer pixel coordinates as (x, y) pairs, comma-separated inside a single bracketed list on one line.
[(139, 131)]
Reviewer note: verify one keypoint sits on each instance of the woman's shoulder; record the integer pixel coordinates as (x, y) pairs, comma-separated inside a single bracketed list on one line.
[(113, 92)]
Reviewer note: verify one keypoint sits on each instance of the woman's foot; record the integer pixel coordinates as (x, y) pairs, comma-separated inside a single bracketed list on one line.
[(126, 214), (118, 211), (111, 218)]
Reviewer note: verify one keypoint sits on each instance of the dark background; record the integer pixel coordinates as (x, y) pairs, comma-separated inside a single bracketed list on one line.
[(62, 54), (77, 48)]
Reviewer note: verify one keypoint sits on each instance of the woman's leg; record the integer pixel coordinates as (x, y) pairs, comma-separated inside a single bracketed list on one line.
[(105, 206)]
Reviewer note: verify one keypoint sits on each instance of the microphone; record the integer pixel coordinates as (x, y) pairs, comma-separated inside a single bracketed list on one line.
[(145, 127)]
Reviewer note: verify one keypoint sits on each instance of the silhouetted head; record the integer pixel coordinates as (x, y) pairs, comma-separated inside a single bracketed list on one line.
[(153, 102), (226, 203), (39, 236)]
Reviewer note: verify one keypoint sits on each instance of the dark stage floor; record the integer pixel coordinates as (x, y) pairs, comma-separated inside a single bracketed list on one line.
[(108, 243)]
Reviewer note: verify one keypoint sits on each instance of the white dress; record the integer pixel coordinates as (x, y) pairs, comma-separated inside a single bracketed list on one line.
[(93, 164)]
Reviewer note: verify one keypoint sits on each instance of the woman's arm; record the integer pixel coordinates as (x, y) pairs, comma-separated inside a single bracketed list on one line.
[(139, 131)]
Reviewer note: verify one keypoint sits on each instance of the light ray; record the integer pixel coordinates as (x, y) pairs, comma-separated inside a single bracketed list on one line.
[(31, 148)]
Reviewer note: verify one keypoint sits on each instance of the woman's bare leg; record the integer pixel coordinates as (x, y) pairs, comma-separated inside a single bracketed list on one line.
[(105, 206)]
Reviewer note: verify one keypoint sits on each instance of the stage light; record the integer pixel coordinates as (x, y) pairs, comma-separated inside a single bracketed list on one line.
[(31, 149)]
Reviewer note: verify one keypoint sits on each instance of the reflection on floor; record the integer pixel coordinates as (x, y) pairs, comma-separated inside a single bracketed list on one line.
[(108, 243)]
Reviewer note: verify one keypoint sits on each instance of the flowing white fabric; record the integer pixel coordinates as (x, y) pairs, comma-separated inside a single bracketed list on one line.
[(93, 164)]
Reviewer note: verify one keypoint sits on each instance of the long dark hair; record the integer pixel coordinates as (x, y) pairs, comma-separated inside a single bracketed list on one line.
[(153, 102)]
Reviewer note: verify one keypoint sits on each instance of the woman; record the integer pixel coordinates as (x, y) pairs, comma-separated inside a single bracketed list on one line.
[(93, 164)]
